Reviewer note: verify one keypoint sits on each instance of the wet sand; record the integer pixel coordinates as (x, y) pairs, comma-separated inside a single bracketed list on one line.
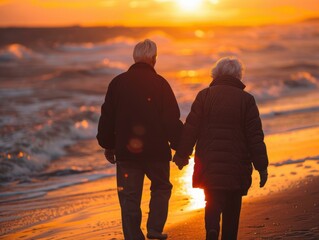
[(290, 214), (287, 208)]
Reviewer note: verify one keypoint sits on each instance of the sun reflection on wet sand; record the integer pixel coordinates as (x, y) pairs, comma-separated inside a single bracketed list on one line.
[(196, 195), (293, 158)]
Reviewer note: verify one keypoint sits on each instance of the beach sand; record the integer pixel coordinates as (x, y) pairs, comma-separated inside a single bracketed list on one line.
[(290, 214), (286, 208)]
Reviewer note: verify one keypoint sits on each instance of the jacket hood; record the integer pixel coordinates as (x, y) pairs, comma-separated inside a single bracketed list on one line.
[(228, 80)]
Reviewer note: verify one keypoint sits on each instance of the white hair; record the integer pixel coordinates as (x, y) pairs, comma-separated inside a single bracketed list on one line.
[(228, 66), (145, 51)]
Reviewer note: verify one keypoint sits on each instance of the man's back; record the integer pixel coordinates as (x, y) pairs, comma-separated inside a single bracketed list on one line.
[(140, 121), (145, 115)]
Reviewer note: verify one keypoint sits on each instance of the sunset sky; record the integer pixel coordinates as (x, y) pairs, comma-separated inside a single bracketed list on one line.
[(154, 12)]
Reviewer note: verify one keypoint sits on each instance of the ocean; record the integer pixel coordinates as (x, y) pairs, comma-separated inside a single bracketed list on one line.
[(53, 82)]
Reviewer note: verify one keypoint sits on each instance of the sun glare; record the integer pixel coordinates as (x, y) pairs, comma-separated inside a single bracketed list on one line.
[(196, 195), (189, 5)]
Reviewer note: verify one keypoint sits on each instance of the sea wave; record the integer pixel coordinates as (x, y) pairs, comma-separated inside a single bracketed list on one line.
[(290, 112), (299, 66), (27, 155), (294, 161), (42, 188), (89, 47), (297, 82), (267, 48), (105, 68), (18, 52), (39, 133), (46, 111)]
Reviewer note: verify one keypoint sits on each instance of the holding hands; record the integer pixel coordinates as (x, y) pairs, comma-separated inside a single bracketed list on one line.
[(110, 155), (180, 161)]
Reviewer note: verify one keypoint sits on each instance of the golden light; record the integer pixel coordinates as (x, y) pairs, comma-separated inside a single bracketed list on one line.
[(189, 5), (153, 12), (187, 73), (82, 124), (196, 195), (199, 33)]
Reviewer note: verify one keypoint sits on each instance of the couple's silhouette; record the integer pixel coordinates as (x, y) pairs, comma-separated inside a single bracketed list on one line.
[(140, 124)]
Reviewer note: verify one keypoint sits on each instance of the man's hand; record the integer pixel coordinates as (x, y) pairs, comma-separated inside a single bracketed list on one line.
[(109, 155), (180, 162), (263, 178)]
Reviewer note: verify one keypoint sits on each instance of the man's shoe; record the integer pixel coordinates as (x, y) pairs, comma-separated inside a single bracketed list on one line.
[(156, 235)]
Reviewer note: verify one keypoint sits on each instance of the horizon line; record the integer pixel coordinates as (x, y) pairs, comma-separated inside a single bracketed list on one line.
[(204, 25)]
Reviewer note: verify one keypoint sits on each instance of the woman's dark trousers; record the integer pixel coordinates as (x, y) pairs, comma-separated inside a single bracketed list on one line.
[(226, 204)]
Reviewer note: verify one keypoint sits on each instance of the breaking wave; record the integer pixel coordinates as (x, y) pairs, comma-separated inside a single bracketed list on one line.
[(17, 52), (294, 161), (39, 133), (298, 82)]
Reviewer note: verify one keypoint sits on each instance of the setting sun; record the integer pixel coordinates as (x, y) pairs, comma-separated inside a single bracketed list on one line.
[(190, 5), (153, 12)]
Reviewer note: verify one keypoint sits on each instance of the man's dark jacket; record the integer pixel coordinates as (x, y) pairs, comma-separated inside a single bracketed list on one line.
[(140, 116), (224, 123)]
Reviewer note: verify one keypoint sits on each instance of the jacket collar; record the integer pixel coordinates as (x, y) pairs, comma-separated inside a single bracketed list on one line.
[(228, 80), (142, 65)]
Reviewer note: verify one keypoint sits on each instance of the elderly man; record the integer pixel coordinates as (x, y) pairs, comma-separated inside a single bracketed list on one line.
[(139, 124), (224, 122)]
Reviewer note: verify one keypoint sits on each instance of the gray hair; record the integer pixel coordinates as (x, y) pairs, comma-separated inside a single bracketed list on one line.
[(145, 51), (228, 66)]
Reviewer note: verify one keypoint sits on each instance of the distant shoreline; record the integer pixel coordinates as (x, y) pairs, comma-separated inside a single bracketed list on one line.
[(50, 36), (202, 25)]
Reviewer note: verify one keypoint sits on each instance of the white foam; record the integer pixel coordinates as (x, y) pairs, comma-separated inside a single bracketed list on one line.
[(43, 138), (9, 92), (271, 114), (36, 190), (15, 52), (49, 125), (298, 82)]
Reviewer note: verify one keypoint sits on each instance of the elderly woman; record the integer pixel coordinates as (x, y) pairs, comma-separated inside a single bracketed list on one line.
[(224, 123)]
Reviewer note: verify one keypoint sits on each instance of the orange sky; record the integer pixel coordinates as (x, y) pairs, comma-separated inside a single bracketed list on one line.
[(154, 12)]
